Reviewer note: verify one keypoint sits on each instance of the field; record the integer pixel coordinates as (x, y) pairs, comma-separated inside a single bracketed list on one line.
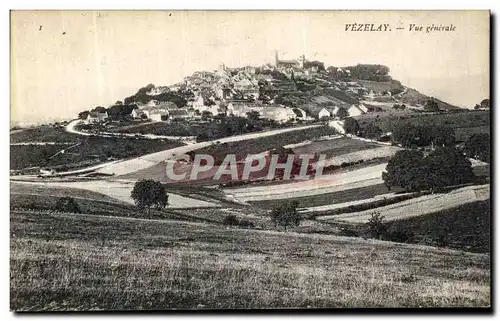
[(328, 183), (92, 149), (334, 147), (255, 146), (77, 262), (418, 206), (466, 227), (342, 196), (414, 97), (379, 86), (43, 133), (465, 123)]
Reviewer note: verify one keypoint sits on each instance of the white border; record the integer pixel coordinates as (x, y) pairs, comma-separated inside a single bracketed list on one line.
[(185, 4)]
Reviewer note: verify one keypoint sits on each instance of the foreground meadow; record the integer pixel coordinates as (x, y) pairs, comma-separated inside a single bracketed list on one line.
[(85, 262)]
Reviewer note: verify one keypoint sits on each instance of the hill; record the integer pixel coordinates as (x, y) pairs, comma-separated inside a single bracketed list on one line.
[(78, 262), (310, 88)]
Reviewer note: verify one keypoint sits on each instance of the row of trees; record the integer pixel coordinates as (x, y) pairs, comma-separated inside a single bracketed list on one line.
[(142, 96), (372, 131), (411, 170), (118, 111), (409, 135), (478, 147)]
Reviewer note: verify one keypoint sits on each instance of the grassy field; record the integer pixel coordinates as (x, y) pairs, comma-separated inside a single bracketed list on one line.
[(466, 227), (347, 195), (334, 147), (169, 129), (96, 149), (75, 262), (465, 123), (43, 133), (258, 145)]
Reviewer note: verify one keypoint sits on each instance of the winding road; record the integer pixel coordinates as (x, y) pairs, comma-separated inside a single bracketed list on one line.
[(71, 128)]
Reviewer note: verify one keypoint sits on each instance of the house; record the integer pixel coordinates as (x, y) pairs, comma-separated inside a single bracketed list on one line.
[(278, 114), (166, 106), (153, 102), (138, 113), (240, 109), (324, 113), (179, 114), (96, 117), (370, 95), (223, 92), (198, 102), (158, 115), (334, 111), (248, 88), (149, 110), (249, 69), (354, 111), (363, 108)]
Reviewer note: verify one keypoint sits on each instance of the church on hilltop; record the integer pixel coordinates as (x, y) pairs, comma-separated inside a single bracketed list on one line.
[(297, 63)]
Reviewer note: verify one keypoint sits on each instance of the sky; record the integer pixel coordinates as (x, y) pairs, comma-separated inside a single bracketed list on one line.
[(64, 62)]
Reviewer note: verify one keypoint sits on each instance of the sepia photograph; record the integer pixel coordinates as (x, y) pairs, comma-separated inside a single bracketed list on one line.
[(206, 160)]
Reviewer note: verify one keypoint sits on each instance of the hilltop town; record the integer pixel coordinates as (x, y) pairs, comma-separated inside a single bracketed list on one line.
[(285, 91)]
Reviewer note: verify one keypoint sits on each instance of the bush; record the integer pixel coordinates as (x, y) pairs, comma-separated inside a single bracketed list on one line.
[(231, 220), (347, 231), (67, 204), (401, 235), (246, 223), (286, 214), (376, 225)]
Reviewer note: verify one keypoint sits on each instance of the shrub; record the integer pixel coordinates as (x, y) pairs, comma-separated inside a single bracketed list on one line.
[(376, 225), (347, 231), (67, 204), (285, 214), (231, 220), (246, 223)]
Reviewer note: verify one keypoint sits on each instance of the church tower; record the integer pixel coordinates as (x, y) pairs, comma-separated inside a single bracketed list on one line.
[(276, 58), (302, 61)]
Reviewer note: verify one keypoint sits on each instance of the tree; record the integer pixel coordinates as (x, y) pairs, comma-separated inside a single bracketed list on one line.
[(410, 135), (83, 114), (376, 225), (67, 204), (206, 115), (320, 65), (148, 193), (447, 167), (351, 126), (485, 103), (285, 214), (443, 167), (372, 131), (478, 147), (342, 113), (431, 105), (442, 136), (253, 115), (99, 109), (398, 171)]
